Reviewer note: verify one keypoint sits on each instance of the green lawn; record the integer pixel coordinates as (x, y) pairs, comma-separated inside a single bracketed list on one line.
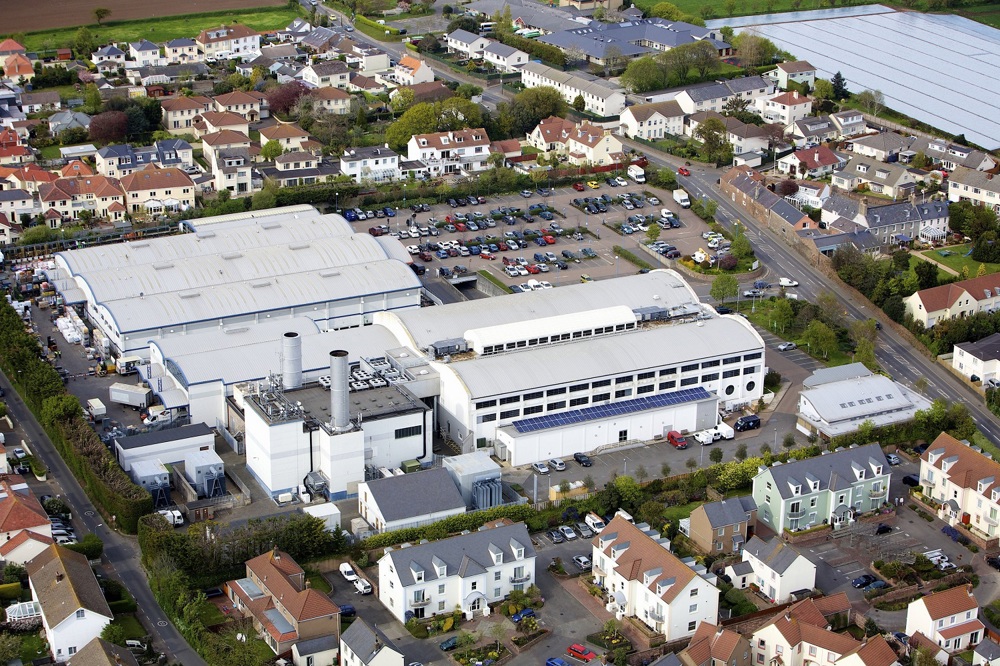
[(942, 275), (318, 582), (676, 513), (32, 647), (131, 625), (165, 28), (51, 152), (958, 261), (211, 615), (761, 317)]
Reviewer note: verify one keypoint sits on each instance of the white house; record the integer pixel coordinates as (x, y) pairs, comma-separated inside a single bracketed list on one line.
[(778, 568), (327, 74), (183, 50), (713, 96), (145, 53), (108, 57), (459, 151), (467, 571), (987, 653), (600, 97), (227, 41), (412, 70), (16, 201), (653, 121), (954, 300), (361, 645), (964, 482), (784, 109), (582, 144), (797, 71), (334, 100), (849, 123), (949, 618), (466, 43), (646, 581), (980, 359), (982, 189), (228, 155), (504, 58), (411, 500), (375, 164), (74, 610), (813, 162)]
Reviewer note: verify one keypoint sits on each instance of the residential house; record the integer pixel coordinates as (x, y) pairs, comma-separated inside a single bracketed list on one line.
[(892, 180), (883, 146), (591, 5), (979, 359), (10, 232), (964, 482), (810, 193), (466, 572), (295, 31), (954, 300), (14, 202), (812, 131), (433, 91), (617, 42), (153, 190), (410, 500), (14, 149), (217, 121), (507, 147), (466, 43), (712, 645), (527, 14), (322, 40), (460, 151), (815, 162), (18, 68), (151, 76), (831, 488), (368, 59), (331, 73), (949, 618), (74, 610), (290, 137), (411, 70), (745, 187), (281, 52), (20, 511), (144, 53), (653, 121), (784, 109), (836, 401), (551, 134), (24, 547), (228, 155), (982, 189), (504, 58), (228, 41), (334, 100), (743, 137), (284, 608), (299, 168), (582, 144), (241, 103), (797, 71), (362, 645), (361, 83), (987, 653), (849, 123), (180, 113), (377, 164), (64, 120), (802, 636), (600, 97), (950, 155), (646, 581), (723, 527), (182, 51), (9, 48), (100, 195), (40, 101), (891, 223), (118, 160), (29, 177), (714, 95), (99, 652), (779, 569)]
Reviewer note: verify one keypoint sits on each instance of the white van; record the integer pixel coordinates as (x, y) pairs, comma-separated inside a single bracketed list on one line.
[(362, 586), (594, 522)]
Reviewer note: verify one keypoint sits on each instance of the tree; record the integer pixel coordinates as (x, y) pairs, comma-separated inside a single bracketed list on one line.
[(713, 137), (10, 647), (741, 452), (232, 647), (666, 10), (83, 42), (651, 513), (820, 338), (466, 23), (839, 85), (136, 124), (612, 627), (754, 50), (701, 56), (641, 474), (109, 127), (498, 632), (786, 188), (429, 44), (73, 135), (724, 287), (765, 450), (783, 314), (715, 455), (691, 464), (579, 103), (401, 100), (468, 90), (789, 441), (114, 633), (282, 98), (101, 13), (653, 233), (871, 102), (823, 89), (927, 274), (589, 483), (665, 470), (741, 246), (644, 74)]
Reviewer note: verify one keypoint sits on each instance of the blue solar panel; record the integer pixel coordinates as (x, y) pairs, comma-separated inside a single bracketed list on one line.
[(612, 409)]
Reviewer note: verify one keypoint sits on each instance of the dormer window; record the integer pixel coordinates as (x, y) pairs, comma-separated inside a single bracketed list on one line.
[(618, 549)]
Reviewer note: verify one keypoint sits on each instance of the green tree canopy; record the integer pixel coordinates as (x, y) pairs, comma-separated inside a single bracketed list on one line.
[(820, 338), (713, 137), (724, 287), (644, 74), (271, 150)]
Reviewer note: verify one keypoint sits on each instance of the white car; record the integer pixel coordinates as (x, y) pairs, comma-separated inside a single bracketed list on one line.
[(362, 586), (567, 532), (653, 201), (788, 282), (545, 285), (347, 571), (621, 182), (413, 249), (787, 346)]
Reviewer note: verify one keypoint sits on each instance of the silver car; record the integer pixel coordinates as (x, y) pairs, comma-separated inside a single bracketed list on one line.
[(567, 532), (585, 531), (556, 464)]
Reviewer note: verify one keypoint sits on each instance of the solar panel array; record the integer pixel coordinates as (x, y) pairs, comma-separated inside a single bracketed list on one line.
[(612, 409)]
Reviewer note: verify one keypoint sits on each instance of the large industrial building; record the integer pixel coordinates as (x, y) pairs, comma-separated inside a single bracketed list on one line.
[(232, 271)]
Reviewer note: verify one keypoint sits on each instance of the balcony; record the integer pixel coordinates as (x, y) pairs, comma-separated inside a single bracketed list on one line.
[(654, 615), (520, 579), (420, 603), (876, 493), (797, 514)]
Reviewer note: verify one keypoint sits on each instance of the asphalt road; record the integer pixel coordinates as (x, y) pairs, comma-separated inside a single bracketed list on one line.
[(896, 356), (121, 552)]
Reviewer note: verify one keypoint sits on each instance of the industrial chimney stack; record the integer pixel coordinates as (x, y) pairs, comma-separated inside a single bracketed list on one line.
[(291, 361), (339, 376)]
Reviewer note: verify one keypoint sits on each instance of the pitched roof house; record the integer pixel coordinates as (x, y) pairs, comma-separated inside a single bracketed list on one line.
[(504, 58), (331, 73), (240, 103), (458, 151), (964, 482), (100, 652), (228, 41), (101, 195), (779, 569), (600, 97), (794, 71), (892, 180), (411, 70), (713, 645), (949, 618), (361, 645), (180, 113), (17, 67), (20, 511), (156, 190), (982, 189), (813, 162), (410, 500), (583, 144), (652, 121), (282, 605), (74, 610), (723, 526), (954, 300), (980, 359)]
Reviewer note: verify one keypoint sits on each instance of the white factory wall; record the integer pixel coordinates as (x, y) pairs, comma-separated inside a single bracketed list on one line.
[(207, 402), (277, 455), (167, 452), (382, 449), (342, 459)]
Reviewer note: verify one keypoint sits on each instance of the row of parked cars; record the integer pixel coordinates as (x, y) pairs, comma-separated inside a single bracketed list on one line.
[(62, 529)]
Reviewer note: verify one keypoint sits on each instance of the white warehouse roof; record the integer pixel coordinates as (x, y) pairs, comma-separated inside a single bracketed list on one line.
[(548, 326)]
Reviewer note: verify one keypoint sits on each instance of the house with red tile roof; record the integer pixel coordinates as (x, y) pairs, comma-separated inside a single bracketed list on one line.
[(583, 144), (228, 41), (97, 194), (181, 113), (24, 547), (28, 177), (13, 149), (965, 483), (458, 151), (153, 190), (21, 511), (241, 103), (284, 608), (411, 70), (76, 168), (785, 109), (17, 67), (334, 100), (950, 619), (812, 162), (216, 121), (954, 300), (712, 645), (8, 48)]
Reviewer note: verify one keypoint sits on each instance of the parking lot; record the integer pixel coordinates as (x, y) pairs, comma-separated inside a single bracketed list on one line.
[(594, 235)]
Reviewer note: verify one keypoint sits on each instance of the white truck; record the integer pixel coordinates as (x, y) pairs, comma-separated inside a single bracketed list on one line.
[(172, 516), (681, 197), (712, 435), (126, 365), (132, 395), (636, 173), (96, 409), (788, 282)]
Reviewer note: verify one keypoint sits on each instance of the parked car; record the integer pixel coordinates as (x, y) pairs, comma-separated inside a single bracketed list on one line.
[(911, 480), (583, 459), (787, 346), (583, 562), (526, 194), (751, 422), (593, 184), (882, 529), (20, 454), (540, 467), (347, 571), (877, 585), (568, 532), (892, 459), (347, 610), (555, 536), (556, 661), (449, 644), (584, 530), (520, 615), (579, 187), (864, 580), (580, 652), (677, 440), (993, 562), (362, 586), (557, 465)]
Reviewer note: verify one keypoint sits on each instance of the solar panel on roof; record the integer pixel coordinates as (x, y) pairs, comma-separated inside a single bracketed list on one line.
[(613, 409)]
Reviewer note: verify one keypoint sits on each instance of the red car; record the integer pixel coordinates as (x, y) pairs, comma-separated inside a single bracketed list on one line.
[(460, 227), (502, 247), (684, 171), (579, 187), (580, 652), (426, 256), (533, 269), (677, 440), (551, 240)]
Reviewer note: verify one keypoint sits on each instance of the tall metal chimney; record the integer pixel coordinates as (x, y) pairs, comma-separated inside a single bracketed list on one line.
[(339, 376), (291, 361)]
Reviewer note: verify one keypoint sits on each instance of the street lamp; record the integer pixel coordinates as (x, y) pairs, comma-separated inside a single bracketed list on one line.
[(775, 438), (625, 472), (616, 265)]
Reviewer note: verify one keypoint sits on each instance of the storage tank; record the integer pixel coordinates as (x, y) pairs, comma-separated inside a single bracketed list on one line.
[(206, 473)]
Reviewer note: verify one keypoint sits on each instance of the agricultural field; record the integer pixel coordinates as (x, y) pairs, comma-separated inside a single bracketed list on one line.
[(42, 35)]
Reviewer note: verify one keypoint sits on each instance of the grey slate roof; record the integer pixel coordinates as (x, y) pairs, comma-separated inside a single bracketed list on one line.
[(319, 37), (987, 349), (953, 152), (775, 553), (787, 212), (704, 92), (181, 42), (742, 568), (174, 71), (364, 641), (109, 50), (988, 649), (889, 142), (166, 435), (904, 212), (463, 36), (14, 195), (501, 50), (650, 35), (729, 511), (416, 494), (836, 374), (465, 552), (577, 80), (973, 178), (145, 45), (859, 239), (669, 659), (845, 207), (833, 470), (329, 67), (531, 13)]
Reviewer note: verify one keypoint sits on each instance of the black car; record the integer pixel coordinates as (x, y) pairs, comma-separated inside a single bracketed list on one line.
[(751, 422), (920, 449), (882, 529), (347, 610), (863, 580), (911, 480), (583, 459), (993, 562), (452, 203), (724, 310)]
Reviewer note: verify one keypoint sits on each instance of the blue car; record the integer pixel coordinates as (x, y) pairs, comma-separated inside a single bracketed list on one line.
[(389, 212), (527, 612), (475, 249), (350, 215), (540, 242), (449, 644), (442, 254), (494, 248), (556, 661)]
